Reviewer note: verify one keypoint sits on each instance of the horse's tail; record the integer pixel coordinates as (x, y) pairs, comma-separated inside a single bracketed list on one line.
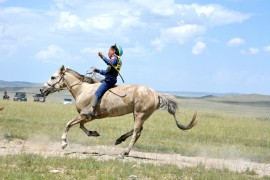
[(168, 102), (1, 108)]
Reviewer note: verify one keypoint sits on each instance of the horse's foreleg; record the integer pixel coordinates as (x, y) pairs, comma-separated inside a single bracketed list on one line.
[(87, 132), (72, 122)]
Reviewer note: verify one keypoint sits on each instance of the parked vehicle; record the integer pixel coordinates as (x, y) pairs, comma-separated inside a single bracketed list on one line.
[(39, 98), (67, 101), (20, 96)]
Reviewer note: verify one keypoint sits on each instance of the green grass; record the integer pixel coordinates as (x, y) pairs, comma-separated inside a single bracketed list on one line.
[(224, 130), (27, 166), (222, 135)]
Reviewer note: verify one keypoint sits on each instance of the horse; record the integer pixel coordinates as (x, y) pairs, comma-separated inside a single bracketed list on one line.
[(140, 100)]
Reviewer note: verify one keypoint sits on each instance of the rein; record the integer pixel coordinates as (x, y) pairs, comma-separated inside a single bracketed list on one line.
[(119, 95), (62, 78), (78, 83)]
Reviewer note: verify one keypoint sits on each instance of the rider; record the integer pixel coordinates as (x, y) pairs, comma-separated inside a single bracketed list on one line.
[(5, 94), (114, 64)]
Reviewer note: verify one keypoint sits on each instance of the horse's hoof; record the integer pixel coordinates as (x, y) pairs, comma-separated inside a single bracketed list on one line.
[(64, 145), (120, 156), (118, 141), (95, 133)]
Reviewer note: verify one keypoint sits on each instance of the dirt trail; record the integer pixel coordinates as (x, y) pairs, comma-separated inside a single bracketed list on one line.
[(47, 148)]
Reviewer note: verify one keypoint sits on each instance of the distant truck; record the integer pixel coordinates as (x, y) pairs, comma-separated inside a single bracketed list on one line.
[(39, 98), (20, 96)]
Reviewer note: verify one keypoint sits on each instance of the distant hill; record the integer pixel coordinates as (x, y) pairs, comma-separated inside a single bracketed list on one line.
[(14, 85), (18, 84), (197, 94)]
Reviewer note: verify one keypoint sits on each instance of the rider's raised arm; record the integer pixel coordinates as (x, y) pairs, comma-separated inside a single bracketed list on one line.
[(112, 61)]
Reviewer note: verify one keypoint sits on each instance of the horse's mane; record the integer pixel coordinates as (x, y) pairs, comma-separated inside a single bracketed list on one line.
[(82, 77)]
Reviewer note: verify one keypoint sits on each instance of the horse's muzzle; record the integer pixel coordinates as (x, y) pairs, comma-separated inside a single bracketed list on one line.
[(45, 91)]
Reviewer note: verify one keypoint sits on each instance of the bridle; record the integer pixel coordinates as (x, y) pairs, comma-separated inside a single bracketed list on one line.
[(52, 86)]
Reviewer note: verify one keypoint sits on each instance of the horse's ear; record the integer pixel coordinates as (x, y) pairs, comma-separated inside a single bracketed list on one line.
[(62, 68)]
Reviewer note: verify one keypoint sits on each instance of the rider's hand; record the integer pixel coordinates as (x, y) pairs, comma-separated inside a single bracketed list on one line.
[(96, 70), (100, 54)]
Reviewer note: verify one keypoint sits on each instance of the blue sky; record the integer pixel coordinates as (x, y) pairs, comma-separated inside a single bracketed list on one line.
[(200, 46)]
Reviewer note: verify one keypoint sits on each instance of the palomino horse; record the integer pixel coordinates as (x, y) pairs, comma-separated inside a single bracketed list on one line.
[(139, 100)]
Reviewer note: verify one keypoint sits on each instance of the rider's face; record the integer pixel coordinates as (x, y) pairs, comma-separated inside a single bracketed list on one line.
[(111, 52)]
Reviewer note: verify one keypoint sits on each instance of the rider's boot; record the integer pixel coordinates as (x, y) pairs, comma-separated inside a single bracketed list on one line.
[(90, 112)]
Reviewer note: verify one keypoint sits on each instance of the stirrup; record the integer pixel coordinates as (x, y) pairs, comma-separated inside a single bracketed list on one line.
[(89, 114)]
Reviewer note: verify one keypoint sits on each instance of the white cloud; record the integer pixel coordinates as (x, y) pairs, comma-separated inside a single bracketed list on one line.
[(180, 34), (55, 53), (190, 21), (251, 51), (158, 43), (106, 22), (66, 3), (199, 48), (234, 42), (267, 49), (160, 7), (212, 14), (130, 20), (160, 22), (177, 23), (68, 20), (101, 22), (71, 22)]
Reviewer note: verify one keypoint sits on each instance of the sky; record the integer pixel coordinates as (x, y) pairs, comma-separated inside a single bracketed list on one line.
[(169, 45)]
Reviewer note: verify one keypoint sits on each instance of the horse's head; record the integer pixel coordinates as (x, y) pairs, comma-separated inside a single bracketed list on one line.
[(55, 83)]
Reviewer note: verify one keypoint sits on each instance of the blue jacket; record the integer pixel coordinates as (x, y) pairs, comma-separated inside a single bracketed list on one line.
[(110, 72)]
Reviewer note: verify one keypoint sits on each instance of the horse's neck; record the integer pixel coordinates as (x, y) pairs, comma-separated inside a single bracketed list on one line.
[(73, 84)]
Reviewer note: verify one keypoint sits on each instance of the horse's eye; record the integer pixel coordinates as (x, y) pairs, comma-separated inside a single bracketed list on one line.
[(52, 78)]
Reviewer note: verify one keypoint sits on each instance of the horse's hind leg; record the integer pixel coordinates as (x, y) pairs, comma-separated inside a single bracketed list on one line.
[(124, 137), (87, 132), (138, 126), (72, 122)]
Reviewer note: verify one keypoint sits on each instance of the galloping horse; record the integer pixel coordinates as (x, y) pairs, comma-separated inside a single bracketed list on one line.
[(139, 100)]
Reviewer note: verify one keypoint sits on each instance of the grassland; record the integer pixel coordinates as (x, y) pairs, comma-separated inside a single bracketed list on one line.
[(36, 167), (233, 127)]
